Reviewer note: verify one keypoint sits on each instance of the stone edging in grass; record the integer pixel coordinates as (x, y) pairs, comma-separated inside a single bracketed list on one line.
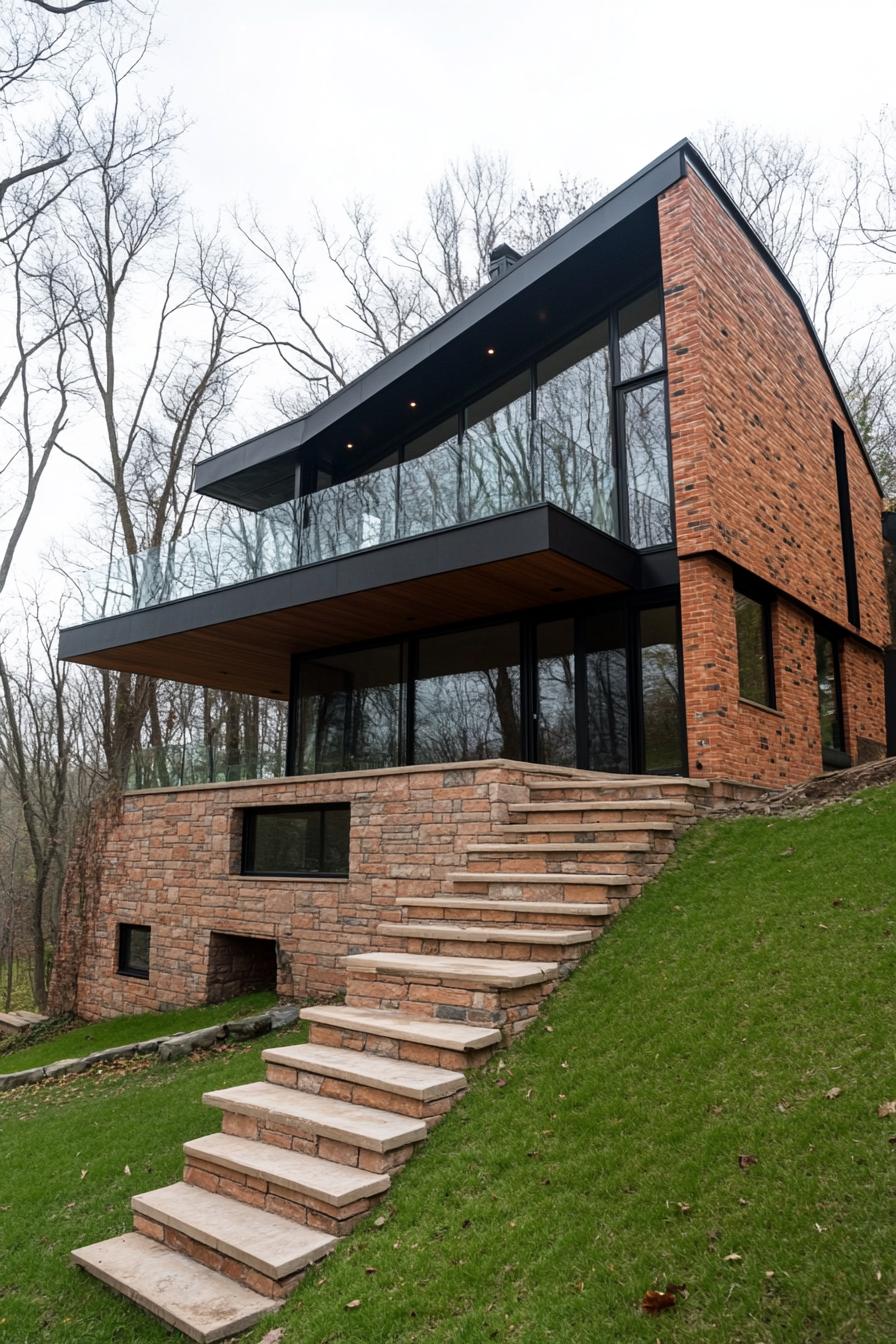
[(178, 1046)]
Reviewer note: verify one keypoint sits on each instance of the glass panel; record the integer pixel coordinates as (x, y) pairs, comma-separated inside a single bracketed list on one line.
[(752, 651), (606, 676), (497, 455), (660, 690), (133, 949), (555, 652), (574, 393), (430, 481), (640, 336), (828, 699), (337, 827), (467, 696), (350, 711), (647, 465), (286, 842), (351, 515)]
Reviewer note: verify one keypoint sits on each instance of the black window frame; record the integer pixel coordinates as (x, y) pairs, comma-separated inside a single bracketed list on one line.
[(847, 536), (832, 758), (247, 848), (124, 964), (764, 599)]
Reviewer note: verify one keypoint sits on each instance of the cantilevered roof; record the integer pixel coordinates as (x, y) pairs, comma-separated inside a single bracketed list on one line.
[(614, 239)]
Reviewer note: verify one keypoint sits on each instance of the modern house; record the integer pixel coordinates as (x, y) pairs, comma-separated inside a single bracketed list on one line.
[(610, 514)]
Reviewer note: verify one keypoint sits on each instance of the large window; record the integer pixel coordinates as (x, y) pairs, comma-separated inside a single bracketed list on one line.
[(754, 663), (606, 673), (296, 841), (351, 710), (661, 690), (599, 417), (133, 950), (556, 663), (467, 695), (830, 714)]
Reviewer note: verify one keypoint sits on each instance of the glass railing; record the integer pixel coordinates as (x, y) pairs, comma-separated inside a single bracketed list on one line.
[(175, 765), (485, 475)]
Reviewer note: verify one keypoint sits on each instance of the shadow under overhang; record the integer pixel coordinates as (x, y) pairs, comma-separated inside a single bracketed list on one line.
[(241, 638)]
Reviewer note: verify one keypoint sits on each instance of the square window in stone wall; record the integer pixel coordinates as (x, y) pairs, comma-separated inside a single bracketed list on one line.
[(296, 841), (133, 950)]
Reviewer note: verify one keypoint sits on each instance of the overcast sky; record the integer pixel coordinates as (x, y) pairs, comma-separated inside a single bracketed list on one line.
[(298, 100)]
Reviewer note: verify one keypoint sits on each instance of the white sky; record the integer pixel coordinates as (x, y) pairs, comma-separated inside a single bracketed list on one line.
[(300, 100)]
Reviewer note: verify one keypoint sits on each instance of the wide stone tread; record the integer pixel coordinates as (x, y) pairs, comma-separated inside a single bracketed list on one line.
[(423, 1082), (201, 1303), (591, 827), (268, 1242), (565, 847), (395, 1026), (589, 910), (608, 805), (488, 933), (623, 782), (328, 1182), (492, 972), (323, 1117), (546, 879)]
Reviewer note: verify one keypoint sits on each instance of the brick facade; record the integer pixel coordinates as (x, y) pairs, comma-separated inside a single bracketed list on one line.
[(172, 859), (751, 407)]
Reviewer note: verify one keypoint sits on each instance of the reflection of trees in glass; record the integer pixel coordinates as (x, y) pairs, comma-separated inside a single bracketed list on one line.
[(350, 710), (351, 515), (497, 468), (828, 707), (640, 337), (647, 465), (557, 710), (468, 716), (574, 398), (752, 655), (660, 689), (608, 730)]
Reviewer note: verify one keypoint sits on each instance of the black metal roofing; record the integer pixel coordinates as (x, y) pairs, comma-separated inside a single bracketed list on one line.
[(261, 468)]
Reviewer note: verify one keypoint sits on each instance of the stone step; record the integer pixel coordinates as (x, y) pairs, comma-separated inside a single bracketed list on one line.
[(452, 1036), (274, 1245), (543, 879), (572, 847), (671, 805), (488, 933), (579, 909), (201, 1303), (622, 782), (649, 827), (304, 1113), (418, 1081), (478, 971), (327, 1182)]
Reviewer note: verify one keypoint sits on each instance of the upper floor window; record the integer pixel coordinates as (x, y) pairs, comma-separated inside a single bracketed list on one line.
[(752, 617), (847, 539), (641, 337)]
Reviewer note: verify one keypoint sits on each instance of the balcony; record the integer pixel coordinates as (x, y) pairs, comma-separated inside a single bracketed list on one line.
[(485, 476)]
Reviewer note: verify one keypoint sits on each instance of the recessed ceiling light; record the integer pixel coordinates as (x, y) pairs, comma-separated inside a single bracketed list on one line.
[(490, 350), (413, 405), (349, 445)]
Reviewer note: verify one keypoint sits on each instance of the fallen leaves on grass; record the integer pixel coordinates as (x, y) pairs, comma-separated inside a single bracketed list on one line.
[(684, 1208), (886, 1108), (746, 1160), (355, 1302), (274, 1336), (833, 1093), (733, 1258), (654, 1301)]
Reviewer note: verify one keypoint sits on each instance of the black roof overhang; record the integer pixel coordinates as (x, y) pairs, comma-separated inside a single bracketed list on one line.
[(604, 253), (241, 637)]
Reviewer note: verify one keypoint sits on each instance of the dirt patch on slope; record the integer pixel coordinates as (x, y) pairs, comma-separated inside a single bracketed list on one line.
[(820, 791)]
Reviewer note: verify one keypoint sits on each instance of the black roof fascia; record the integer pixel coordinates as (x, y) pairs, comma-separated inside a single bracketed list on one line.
[(276, 450), (541, 527)]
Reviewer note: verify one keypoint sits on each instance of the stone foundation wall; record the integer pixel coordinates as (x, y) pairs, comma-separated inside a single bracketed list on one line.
[(171, 860)]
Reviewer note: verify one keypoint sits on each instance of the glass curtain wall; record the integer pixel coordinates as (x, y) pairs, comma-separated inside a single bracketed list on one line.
[(661, 690), (467, 695), (607, 696), (642, 413), (351, 710), (556, 679)]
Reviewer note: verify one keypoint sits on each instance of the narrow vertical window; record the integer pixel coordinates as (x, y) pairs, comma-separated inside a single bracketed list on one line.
[(752, 617), (830, 710), (846, 533)]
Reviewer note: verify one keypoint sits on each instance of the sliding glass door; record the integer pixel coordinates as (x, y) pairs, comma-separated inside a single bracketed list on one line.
[(597, 687)]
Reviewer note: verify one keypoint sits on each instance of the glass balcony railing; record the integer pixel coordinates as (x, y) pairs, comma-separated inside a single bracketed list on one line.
[(485, 475), (178, 764)]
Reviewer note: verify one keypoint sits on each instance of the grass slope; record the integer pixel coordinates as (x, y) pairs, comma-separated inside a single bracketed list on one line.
[(754, 976), (102, 1035)]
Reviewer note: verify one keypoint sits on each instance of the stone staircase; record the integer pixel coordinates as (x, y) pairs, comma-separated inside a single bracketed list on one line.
[(304, 1155)]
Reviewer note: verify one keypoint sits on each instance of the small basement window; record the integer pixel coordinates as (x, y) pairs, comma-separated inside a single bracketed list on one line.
[(296, 841), (133, 950), (752, 616)]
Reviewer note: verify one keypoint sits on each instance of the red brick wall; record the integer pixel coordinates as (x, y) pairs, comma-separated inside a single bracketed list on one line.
[(751, 409), (730, 738), (171, 860)]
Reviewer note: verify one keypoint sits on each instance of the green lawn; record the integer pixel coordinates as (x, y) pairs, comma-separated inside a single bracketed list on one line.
[(756, 975), (102, 1035)]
